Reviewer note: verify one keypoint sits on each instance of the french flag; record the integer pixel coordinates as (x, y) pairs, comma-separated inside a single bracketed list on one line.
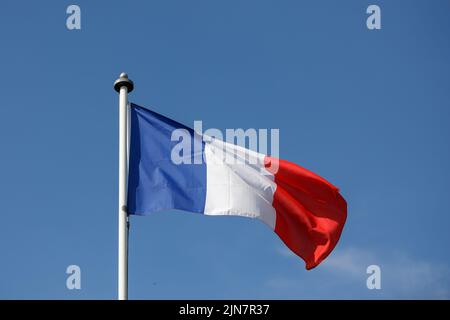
[(218, 178)]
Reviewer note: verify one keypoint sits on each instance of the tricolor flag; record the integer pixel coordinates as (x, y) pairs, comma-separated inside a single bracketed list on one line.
[(306, 211)]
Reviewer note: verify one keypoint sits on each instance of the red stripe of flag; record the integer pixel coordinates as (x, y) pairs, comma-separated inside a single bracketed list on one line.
[(310, 212)]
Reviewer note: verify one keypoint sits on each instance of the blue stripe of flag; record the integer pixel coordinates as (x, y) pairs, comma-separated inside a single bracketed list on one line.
[(155, 183)]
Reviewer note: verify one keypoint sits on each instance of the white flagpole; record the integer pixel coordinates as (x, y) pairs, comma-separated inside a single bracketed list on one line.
[(123, 85)]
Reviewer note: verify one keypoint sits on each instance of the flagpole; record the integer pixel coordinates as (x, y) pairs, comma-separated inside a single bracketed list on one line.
[(123, 86)]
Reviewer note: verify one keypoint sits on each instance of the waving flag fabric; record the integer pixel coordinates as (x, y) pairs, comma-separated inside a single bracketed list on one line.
[(306, 211)]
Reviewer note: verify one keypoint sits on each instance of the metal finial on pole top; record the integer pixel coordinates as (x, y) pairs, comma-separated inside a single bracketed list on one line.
[(123, 81)]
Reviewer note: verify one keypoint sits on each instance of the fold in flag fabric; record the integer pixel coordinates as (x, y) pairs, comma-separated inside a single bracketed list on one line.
[(305, 211)]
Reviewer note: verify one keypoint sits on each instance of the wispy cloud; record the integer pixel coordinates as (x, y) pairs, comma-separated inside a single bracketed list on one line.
[(351, 261), (343, 275)]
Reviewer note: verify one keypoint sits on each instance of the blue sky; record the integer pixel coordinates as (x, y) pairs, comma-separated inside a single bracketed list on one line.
[(367, 110)]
